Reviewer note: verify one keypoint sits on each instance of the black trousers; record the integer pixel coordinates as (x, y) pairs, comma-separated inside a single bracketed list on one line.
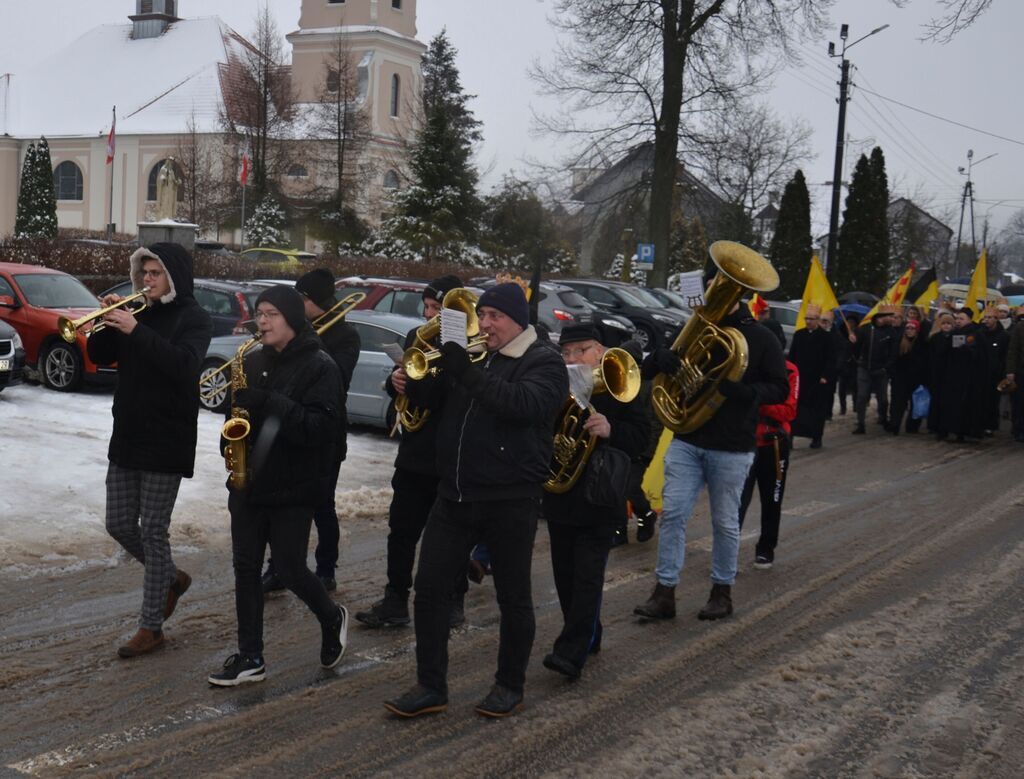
[(508, 528), (872, 383), (286, 530), (414, 495), (902, 397), (1017, 412), (579, 554), (771, 489), (635, 489), (847, 386)]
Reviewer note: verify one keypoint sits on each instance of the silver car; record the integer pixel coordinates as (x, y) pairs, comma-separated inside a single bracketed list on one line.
[(368, 402)]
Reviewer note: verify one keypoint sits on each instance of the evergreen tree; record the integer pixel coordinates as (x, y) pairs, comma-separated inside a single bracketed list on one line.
[(26, 194), (48, 196), (37, 204), (517, 230), (876, 265), (864, 235), (790, 250), (266, 225)]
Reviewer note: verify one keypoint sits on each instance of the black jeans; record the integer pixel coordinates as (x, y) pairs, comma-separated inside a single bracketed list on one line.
[(508, 528), (579, 554), (872, 383), (414, 494), (902, 405), (635, 489), (286, 529), (771, 489)]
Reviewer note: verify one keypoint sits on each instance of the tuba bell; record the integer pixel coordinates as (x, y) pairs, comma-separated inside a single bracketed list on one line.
[(619, 376), (710, 354)]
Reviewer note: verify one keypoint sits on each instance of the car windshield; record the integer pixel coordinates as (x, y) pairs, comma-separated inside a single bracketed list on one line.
[(574, 299), (55, 290), (648, 299), (628, 294)]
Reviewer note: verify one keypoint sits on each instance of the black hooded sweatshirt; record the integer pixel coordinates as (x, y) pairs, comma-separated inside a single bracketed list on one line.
[(156, 403)]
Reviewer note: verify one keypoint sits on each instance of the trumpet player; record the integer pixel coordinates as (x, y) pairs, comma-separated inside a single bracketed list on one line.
[(581, 523), (414, 486), (158, 352), (290, 398), (341, 342), (494, 445)]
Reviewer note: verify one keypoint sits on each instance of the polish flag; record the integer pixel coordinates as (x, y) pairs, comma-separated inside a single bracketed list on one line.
[(111, 138), (243, 176)]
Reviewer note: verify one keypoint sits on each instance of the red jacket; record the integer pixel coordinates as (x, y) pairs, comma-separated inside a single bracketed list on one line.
[(776, 418)]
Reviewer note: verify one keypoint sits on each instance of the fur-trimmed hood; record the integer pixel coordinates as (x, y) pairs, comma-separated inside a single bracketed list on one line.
[(177, 264)]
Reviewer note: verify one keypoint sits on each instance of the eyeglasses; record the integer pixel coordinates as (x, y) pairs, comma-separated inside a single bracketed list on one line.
[(267, 315), (570, 353), (153, 273)]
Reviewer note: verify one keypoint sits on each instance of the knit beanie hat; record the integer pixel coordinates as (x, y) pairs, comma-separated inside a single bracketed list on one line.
[(441, 286), (510, 300), (318, 286), (289, 302)]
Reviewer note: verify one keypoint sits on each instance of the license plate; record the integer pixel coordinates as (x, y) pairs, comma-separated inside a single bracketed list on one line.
[(5, 365)]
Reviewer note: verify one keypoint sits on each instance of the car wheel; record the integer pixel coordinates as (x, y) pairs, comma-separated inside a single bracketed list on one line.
[(214, 387), (62, 367), (646, 338)]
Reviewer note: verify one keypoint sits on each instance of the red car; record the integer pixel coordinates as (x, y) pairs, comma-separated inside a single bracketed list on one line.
[(396, 296), (32, 299)]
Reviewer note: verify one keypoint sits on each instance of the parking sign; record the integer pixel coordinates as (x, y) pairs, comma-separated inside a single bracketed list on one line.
[(644, 256)]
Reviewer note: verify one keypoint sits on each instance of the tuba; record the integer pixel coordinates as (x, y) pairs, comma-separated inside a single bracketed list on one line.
[(236, 428), (710, 354), (619, 376)]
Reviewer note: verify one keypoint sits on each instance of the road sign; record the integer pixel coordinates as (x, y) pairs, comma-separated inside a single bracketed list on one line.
[(644, 256)]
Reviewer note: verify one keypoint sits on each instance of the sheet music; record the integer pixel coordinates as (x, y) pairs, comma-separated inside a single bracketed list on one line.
[(395, 352), (453, 326), (581, 384)]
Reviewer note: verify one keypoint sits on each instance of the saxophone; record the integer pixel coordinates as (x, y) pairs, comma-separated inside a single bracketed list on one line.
[(236, 428)]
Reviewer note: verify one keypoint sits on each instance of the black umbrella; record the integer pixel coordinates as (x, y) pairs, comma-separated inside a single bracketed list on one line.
[(864, 298)]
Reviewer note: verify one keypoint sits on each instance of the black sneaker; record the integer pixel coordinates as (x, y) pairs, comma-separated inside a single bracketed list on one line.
[(500, 702), (763, 561), (272, 583), (418, 700), (239, 669), (328, 581), (333, 638), (620, 538), (645, 526), (385, 613)]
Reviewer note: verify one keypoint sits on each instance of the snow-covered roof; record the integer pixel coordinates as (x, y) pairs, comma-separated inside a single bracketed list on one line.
[(156, 83)]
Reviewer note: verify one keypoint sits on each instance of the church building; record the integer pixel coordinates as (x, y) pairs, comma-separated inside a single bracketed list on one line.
[(167, 73)]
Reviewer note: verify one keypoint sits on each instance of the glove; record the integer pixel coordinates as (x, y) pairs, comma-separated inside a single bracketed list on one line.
[(454, 359), (661, 360), (250, 399), (735, 390)]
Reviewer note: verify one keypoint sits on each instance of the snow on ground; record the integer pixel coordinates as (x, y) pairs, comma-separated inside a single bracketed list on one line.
[(54, 463)]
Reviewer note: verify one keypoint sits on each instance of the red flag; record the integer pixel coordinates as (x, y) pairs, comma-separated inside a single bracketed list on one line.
[(899, 291), (757, 305), (243, 177), (111, 138)]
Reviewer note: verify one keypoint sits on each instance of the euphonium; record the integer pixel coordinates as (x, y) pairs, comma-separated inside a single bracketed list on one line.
[(709, 354), (619, 376), (236, 428)]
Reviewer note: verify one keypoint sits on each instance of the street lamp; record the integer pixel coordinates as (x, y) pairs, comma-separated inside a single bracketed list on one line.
[(965, 198), (837, 175)]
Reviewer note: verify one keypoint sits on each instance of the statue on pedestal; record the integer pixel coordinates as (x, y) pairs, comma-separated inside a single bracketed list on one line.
[(167, 184)]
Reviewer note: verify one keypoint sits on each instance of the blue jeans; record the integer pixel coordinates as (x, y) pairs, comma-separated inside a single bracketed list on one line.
[(687, 469)]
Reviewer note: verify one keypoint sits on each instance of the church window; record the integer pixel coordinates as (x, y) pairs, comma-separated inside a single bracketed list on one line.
[(154, 174), (298, 171), (333, 80), (396, 88), (146, 7), (67, 181), (390, 180), (169, 8), (396, 4)]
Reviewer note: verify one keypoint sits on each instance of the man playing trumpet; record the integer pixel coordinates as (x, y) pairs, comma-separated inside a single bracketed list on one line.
[(158, 352)]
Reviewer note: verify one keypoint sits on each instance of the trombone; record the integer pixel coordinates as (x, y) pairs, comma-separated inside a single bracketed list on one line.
[(329, 317), (69, 328)]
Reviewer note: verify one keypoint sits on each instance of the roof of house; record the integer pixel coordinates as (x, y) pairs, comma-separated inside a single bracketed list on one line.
[(902, 202), (156, 83)]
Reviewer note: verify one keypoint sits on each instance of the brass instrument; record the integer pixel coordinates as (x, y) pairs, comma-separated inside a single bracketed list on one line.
[(460, 299), (333, 315), (710, 354), (69, 328), (619, 375), (236, 428), (206, 379)]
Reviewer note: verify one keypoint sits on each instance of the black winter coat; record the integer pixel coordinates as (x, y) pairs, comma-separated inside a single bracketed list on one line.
[(733, 428), (341, 342), (812, 352), (494, 439), (292, 440), (876, 346), (156, 403)]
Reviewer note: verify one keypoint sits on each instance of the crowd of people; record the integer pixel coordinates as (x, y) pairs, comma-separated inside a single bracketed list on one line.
[(473, 471)]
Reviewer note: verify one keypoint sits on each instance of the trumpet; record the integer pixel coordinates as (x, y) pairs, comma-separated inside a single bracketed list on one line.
[(417, 362), (69, 328)]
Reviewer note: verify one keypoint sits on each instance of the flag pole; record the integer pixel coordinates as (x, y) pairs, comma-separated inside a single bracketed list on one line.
[(110, 204), (242, 241)]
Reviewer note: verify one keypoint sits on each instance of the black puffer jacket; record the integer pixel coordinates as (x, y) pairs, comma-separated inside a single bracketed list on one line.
[(156, 403), (494, 438), (291, 443), (733, 428)]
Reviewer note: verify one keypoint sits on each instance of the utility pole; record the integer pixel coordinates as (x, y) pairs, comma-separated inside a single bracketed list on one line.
[(967, 198), (837, 173)]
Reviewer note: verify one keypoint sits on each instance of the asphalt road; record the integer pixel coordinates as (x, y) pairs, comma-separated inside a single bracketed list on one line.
[(887, 641)]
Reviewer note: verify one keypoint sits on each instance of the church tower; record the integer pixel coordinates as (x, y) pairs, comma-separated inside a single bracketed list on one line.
[(153, 17)]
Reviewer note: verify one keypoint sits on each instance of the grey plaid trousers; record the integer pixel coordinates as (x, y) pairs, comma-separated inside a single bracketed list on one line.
[(139, 506)]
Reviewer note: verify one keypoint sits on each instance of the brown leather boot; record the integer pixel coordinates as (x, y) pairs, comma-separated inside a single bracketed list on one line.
[(661, 604), (182, 581), (142, 643), (719, 603)]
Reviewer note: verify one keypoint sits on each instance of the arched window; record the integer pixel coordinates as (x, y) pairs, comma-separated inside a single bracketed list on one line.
[(396, 88), (154, 174), (297, 171), (333, 80), (391, 180), (67, 181)]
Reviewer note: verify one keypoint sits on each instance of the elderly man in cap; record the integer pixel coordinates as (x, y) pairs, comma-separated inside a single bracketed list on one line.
[(875, 346), (341, 342), (581, 523), (414, 487), (494, 446)]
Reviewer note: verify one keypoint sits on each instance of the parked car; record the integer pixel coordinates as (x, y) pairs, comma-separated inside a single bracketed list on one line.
[(275, 260), (12, 356), (655, 325), (785, 314), (368, 403), (229, 303), (213, 247), (32, 299), (672, 299), (396, 296)]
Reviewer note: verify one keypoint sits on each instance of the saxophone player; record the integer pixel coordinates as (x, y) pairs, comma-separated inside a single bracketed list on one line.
[(581, 524), (156, 409), (289, 392)]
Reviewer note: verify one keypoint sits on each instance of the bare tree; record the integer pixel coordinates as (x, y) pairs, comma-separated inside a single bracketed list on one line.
[(203, 167), (631, 67), (957, 15)]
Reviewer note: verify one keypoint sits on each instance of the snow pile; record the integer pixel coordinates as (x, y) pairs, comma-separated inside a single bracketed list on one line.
[(52, 492)]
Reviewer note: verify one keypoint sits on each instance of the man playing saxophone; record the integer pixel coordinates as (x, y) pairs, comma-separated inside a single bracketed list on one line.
[(156, 408), (581, 521), (290, 396)]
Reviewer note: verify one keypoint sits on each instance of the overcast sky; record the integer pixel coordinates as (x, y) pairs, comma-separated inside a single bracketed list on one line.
[(972, 80)]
